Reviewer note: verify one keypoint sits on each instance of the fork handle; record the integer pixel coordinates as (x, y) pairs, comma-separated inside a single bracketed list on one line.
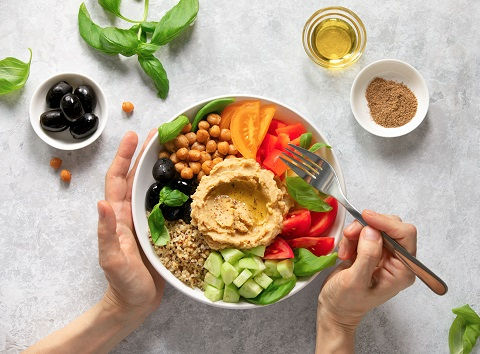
[(436, 284)]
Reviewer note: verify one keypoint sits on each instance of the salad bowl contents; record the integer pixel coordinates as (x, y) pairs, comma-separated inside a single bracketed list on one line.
[(221, 217)]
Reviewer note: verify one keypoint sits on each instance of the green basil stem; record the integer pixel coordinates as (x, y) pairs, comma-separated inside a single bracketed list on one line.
[(145, 10)]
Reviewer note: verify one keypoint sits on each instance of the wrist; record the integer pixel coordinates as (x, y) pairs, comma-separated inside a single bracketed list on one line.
[(121, 312), (333, 336)]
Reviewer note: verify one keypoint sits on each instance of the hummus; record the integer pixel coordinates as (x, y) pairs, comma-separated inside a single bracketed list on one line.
[(239, 205)]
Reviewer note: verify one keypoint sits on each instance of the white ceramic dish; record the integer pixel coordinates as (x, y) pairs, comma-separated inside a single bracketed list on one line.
[(389, 69), (64, 140), (143, 179)]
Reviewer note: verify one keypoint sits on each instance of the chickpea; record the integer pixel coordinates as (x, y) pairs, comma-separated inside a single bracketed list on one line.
[(163, 154), (202, 136), (200, 175), (211, 146), (203, 124), (198, 146), (181, 141), (217, 160), (196, 167), (194, 155), (205, 156), (179, 166), (174, 158), (216, 154), (225, 135), (182, 153), (207, 167), (215, 131), (232, 150), (186, 173), (223, 147), (187, 128), (230, 157), (191, 137), (170, 146), (213, 119)]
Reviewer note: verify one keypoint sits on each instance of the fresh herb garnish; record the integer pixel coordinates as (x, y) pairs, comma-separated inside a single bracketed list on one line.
[(275, 291), (213, 106), (305, 140), (318, 146), (305, 195), (172, 197), (134, 41), (13, 74), (170, 130), (307, 264), (464, 330)]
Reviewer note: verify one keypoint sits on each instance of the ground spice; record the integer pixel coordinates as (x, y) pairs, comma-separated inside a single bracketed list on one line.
[(391, 103)]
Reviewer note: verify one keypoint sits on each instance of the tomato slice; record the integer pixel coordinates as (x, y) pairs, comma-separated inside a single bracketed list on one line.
[(266, 116), (296, 223), (323, 221), (319, 246), (274, 164), (274, 125), (279, 249), (227, 114), (293, 130)]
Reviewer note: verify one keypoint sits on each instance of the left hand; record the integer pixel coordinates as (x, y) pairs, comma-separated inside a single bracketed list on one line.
[(133, 285)]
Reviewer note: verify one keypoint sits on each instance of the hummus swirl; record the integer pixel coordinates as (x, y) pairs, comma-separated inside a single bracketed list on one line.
[(239, 205)]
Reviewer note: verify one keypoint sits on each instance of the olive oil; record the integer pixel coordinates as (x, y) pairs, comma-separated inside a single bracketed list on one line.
[(334, 40)]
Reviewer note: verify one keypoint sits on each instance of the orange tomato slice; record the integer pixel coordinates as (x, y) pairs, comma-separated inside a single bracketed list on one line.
[(227, 114)]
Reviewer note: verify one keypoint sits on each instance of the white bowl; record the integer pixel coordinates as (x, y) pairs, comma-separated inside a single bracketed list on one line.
[(389, 69), (143, 179), (64, 140)]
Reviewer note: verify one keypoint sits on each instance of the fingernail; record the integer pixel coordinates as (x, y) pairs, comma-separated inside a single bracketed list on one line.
[(370, 212), (101, 212), (371, 234), (341, 251), (350, 227)]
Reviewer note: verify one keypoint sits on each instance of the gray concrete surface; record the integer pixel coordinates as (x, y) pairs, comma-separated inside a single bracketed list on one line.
[(48, 250)]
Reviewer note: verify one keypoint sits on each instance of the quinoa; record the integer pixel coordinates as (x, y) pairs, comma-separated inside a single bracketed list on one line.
[(185, 254)]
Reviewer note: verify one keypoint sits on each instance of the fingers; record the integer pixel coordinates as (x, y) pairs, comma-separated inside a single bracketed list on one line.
[(108, 243), (348, 244), (403, 233), (131, 174)]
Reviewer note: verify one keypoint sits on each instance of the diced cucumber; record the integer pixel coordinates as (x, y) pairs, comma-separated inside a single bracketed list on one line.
[(263, 280), (285, 268), (256, 251), (213, 280), (250, 289), (237, 267), (230, 293), (252, 262), (271, 268), (212, 293), (242, 278), (231, 255), (256, 272), (229, 273), (213, 263)]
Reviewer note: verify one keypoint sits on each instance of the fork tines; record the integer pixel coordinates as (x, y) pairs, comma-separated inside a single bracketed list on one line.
[(303, 162)]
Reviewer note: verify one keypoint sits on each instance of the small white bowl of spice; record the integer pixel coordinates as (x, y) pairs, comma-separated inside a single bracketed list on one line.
[(389, 98)]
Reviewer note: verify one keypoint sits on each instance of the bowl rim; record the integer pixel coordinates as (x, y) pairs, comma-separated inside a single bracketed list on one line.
[(397, 131), (66, 146), (144, 242)]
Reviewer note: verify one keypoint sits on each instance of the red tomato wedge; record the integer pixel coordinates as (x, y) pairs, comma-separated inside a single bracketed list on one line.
[(274, 125), (296, 223), (319, 246), (293, 130), (279, 249), (274, 164), (323, 221)]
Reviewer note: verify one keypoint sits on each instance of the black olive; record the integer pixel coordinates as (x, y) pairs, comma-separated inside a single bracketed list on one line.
[(186, 186), (171, 213), (87, 97), (163, 170), (56, 92), (54, 121), (153, 195), (85, 126), (187, 211), (71, 107)]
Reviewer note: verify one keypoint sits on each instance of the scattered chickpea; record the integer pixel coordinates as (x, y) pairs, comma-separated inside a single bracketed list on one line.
[(211, 146), (174, 158), (186, 173), (200, 175), (65, 176), (196, 167), (181, 141), (207, 167), (225, 135), (230, 157), (214, 131), (202, 136), (170, 145), (191, 137), (223, 147), (213, 119), (194, 155), (205, 156), (232, 150), (203, 124), (198, 146), (55, 162), (163, 154), (127, 107), (217, 160), (179, 166), (187, 128), (182, 153)]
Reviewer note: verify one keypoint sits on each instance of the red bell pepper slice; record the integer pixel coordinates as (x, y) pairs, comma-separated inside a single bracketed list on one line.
[(274, 125), (296, 223), (274, 164), (323, 221), (282, 141), (279, 249), (293, 130)]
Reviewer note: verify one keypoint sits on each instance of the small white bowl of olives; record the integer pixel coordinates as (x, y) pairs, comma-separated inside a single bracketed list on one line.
[(68, 111)]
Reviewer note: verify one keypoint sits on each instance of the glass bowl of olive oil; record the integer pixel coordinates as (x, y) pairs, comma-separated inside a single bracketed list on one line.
[(334, 37)]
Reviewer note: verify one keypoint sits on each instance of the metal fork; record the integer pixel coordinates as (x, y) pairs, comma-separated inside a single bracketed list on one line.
[(321, 175)]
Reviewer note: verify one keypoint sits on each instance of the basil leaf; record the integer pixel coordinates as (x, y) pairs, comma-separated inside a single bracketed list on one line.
[(455, 335), (112, 6), (172, 197), (89, 31), (318, 146), (175, 21), (305, 195), (170, 130), (275, 291), (467, 313), (146, 49), (153, 68), (158, 230), (470, 336), (13, 74), (306, 263), (464, 331), (305, 140), (213, 106), (148, 26), (119, 41)]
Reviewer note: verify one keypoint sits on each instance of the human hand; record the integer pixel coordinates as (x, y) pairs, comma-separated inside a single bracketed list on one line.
[(134, 287)]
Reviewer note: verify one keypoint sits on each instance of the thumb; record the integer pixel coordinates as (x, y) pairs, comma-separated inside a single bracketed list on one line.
[(108, 243), (369, 254)]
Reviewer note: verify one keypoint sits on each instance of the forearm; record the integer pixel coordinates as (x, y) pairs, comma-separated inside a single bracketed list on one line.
[(331, 337), (96, 331)]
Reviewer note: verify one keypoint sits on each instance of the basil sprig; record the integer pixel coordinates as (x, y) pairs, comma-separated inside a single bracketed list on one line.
[(306, 263), (318, 146), (135, 40), (305, 195), (464, 330), (170, 130), (306, 140), (172, 197), (13, 74), (275, 291)]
